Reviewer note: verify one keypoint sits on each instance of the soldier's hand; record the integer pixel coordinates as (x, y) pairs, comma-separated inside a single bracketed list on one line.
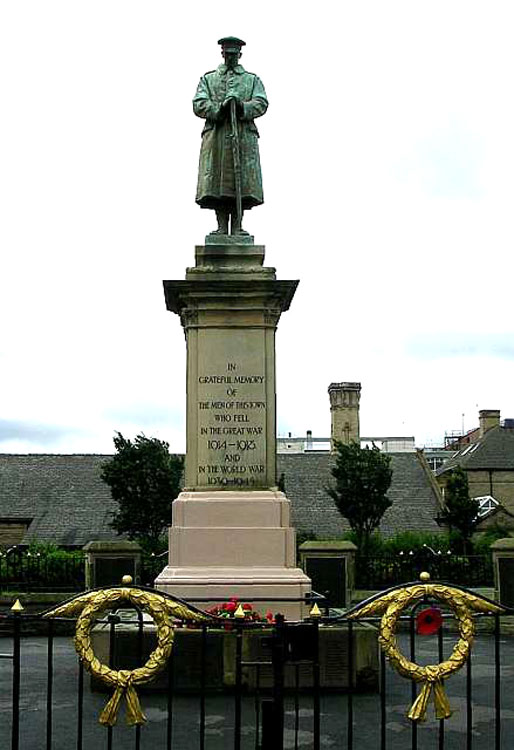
[(239, 104)]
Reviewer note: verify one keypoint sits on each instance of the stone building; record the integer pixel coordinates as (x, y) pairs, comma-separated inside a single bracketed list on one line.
[(344, 412), (415, 497), (54, 498), (62, 499), (487, 455)]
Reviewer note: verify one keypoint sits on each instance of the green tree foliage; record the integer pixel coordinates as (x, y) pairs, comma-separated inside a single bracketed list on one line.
[(144, 480), (362, 479), (461, 510)]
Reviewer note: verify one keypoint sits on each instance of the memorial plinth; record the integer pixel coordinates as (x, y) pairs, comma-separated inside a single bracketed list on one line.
[(231, 533)]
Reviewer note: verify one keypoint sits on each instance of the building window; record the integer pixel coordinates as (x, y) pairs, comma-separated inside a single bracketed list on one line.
[(487, 504)]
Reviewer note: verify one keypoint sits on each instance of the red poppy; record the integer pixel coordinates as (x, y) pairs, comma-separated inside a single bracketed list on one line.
[(230, 606), (247, 607), (429, 621)]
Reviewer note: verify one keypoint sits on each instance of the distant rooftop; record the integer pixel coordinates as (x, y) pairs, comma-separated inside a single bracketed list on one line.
[(310, 444), (494, 450)]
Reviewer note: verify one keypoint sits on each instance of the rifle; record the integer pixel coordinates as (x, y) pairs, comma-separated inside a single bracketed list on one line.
[(237, 162)]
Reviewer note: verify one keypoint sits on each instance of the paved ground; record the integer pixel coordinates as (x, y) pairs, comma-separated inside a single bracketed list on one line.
[(219, 709)]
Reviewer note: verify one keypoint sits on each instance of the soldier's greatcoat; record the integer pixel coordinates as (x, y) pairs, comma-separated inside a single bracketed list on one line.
[(216, 185)]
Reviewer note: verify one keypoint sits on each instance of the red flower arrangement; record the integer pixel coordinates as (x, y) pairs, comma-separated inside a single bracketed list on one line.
[(428, 621), (227, 611)]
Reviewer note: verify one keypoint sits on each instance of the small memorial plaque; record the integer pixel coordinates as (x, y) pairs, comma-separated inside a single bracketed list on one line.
[(506, 579), (110, 570), (328, 576)]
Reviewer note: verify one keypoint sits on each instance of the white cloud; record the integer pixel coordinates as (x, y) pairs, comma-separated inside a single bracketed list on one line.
[(387, 156)]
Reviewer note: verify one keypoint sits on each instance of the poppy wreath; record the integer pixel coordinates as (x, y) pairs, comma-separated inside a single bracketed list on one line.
[(392, 604), (428, 621), (124, 681)]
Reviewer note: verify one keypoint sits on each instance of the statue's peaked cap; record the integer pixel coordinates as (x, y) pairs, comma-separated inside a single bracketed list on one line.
[(231, 41)]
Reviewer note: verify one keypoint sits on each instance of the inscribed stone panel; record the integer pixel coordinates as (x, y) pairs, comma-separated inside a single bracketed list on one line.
[(232, 409)]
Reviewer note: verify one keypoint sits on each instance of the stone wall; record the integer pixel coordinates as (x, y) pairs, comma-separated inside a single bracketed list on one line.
[(499, 484), (12, 532)]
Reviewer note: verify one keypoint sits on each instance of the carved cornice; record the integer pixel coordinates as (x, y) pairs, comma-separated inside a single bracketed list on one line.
[(214, 292), (272, 316), (189, 317)]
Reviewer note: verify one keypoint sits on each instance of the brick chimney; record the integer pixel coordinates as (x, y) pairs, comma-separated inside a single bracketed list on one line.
[(488, 418), (344, 412)]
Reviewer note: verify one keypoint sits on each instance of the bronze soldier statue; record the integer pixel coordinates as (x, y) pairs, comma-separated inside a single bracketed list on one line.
[(229, 174)]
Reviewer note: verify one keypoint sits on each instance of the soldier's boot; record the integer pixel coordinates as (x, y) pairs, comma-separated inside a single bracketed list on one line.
[(222, 215), (236, 224)]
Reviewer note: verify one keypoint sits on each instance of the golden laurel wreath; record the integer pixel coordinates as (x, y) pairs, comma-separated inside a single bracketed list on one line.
[(463, 605), (89, 606)]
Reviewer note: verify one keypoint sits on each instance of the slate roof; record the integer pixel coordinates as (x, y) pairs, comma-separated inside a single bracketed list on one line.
[(63, 494), (495, 450), (70, 505), (415, 502)]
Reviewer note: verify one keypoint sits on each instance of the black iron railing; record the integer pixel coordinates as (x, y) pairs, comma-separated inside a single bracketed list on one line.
[(379, 572), (25, 571), (272, 697)]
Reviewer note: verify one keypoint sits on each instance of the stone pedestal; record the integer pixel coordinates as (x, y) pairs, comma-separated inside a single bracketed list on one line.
[(231, 533), (503, 563), (108, 562), (218, 672), (331, 567)]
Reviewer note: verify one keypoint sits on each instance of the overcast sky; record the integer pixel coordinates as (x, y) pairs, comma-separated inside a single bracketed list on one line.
[(388, 166)]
